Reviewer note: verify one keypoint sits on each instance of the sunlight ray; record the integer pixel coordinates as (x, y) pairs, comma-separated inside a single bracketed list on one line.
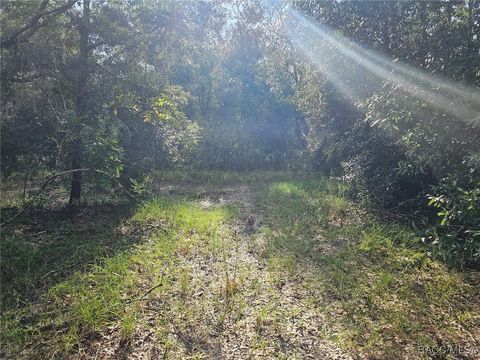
[(454, 99)]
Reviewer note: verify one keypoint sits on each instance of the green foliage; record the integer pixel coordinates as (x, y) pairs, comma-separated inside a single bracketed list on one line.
[(178, 92), (175, 132), (393, 140), (104, 152), (431, 140), (456, 238), (151, 85), (143, 187)]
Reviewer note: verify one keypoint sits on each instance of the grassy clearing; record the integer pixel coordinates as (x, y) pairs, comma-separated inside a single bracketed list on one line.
[(286, 270), (380, 293)]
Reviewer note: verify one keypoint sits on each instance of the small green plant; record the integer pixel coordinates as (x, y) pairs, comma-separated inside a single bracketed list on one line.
[(142, 187), (128, 323)]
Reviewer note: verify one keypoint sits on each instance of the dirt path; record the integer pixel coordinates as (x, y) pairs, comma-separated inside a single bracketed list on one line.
[(270, 318), (232, 306), (277, 319)]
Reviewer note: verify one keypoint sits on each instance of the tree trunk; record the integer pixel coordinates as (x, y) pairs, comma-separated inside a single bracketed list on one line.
[(80, 102), (76, 184)]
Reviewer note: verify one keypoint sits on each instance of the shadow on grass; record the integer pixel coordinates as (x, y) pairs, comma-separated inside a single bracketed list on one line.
[(43, 249), (382, 293), (119, 269)]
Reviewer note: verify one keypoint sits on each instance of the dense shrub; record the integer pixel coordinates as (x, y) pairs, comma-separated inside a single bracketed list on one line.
[(456, 236)]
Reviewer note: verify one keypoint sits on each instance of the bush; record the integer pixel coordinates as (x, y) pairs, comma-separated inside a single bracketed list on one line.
[(456, 237), (378, 171)]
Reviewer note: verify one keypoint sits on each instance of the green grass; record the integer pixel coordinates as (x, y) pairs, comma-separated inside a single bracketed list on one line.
[(180, 214), (315, 267), (216, 177), (381, 291), (45, 248), (107, 291)]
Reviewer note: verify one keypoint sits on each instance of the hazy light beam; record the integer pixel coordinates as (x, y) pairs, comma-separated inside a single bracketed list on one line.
[(454, 99)]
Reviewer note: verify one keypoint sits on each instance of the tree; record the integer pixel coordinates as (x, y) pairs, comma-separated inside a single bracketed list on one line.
[(82, 23), (23, 33)]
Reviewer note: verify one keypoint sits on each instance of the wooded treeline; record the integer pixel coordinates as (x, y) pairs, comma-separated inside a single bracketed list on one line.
[(134, 87)]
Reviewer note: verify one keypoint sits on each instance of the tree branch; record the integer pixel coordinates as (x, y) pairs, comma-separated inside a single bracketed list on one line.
[(33, 24)]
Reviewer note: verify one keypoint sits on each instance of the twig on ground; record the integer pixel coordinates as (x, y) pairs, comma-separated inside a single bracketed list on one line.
[(149, 291)]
